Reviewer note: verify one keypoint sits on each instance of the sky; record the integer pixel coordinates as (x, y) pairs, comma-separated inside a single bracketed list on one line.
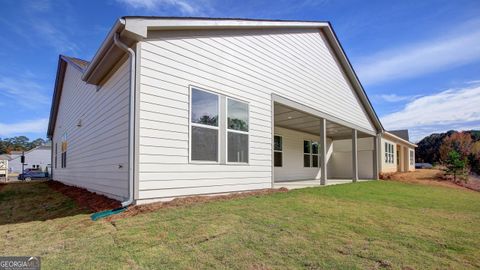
[(418, 61)]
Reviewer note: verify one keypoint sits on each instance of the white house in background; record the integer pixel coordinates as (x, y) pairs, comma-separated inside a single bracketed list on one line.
[(36, 158), (398, 152), (185, 106)]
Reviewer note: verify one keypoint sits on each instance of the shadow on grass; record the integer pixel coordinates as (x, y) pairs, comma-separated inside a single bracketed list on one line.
[(34, 201)]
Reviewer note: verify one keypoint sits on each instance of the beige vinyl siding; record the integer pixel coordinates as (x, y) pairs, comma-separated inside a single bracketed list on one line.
[(247, 65), (388, 167), (99, 147)]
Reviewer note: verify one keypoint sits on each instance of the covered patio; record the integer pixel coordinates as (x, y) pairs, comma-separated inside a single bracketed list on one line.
[(313, 149)]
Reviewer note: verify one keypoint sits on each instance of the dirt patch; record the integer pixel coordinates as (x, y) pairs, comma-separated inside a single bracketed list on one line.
[(432, 177), (2, 185), (84, 198), (185, 201)]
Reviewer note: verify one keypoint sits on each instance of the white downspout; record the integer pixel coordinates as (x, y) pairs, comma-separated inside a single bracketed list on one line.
[(131, 119)]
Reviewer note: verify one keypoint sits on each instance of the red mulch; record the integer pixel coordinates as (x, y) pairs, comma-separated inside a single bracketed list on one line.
[(84, 198), (185, 201)]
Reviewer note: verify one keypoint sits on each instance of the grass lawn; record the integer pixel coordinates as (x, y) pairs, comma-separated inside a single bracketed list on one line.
[(371, 225)]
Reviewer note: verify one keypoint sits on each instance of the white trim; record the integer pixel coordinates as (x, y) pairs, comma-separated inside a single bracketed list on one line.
[(191, 124)]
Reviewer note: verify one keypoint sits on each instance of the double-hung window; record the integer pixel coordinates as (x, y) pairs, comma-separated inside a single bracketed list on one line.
[(277, 151), (64, 151), (204, 121), (237, 131), (310, 154), (411, 157), (389, 153)]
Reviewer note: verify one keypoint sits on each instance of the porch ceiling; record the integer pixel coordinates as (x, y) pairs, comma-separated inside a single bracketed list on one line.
[(290, 118)]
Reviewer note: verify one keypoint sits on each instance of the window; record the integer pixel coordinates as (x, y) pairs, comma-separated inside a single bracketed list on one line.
[(389, 153), (56, 154), (315, 154), (310, 154), (411, 157), (306, 153), (64, 151), (237, 131), (204, 126), (277, 151)]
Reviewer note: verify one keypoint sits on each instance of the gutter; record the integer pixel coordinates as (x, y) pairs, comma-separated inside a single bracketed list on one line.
[(131, 118)]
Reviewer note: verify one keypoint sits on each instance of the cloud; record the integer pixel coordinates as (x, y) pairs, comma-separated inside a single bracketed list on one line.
[(185, 7), (393, 98), (442, 53), (450, 109), (23, 91), (25, 127)]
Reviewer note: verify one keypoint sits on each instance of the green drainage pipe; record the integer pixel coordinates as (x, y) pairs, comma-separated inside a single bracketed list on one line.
[(99, 215)]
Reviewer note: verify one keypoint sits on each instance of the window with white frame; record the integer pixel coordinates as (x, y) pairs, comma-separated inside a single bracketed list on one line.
[(56, 154), (204, 126), (411, 157), (278, 151), (237, 131), (64, 151), (310, 154), (389, 153)]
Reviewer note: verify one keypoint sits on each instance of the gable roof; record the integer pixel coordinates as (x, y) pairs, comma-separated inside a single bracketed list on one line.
[(132, 29), (402, 133), (63, 61)]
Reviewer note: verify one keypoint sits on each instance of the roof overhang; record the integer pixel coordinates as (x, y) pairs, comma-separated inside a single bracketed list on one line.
[(396, 138), (135, 28)]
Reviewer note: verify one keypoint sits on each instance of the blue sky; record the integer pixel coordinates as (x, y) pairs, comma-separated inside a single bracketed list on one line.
[(419, 61)]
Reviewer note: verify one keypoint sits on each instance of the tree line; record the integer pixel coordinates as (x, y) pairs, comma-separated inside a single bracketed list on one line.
[(458, 151), (18, 143)]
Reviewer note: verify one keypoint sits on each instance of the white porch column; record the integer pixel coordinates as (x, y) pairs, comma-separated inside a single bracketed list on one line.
[(375, 157), (323, 151), (354, 156)]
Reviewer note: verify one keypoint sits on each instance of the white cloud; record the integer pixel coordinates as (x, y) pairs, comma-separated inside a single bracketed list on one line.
[(21, 128), (450, 109), (455, 48), (24, 92), (185, 7), (394, 97)]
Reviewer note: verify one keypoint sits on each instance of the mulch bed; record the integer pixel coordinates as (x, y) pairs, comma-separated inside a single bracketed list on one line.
[(185, 201), (2, 185), (84, 198)]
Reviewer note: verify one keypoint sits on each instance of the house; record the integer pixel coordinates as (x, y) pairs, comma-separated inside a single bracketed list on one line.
[(36, 158), (398, 152), (174, 107)]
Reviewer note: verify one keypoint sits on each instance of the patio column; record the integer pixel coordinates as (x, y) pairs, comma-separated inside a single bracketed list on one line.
[(375, 156), (323, 151), (354, 156)]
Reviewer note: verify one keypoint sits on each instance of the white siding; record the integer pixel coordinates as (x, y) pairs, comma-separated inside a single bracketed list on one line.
[(99, 147), (292, 167), (340, 165), (249, 65), (38, 156)]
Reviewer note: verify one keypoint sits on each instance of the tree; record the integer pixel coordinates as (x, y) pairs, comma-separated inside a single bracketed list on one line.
[(456, 166)]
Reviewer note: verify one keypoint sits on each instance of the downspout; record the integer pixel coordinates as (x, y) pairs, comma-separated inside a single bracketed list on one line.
[(131, 119)]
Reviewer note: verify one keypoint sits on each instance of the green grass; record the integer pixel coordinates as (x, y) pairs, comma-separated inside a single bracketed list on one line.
[(371, 225)]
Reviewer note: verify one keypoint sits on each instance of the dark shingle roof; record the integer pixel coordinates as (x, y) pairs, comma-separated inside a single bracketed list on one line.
[(402, 133)]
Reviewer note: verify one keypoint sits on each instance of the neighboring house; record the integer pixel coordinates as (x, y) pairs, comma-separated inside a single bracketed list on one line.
[(398, 152), (184, 106), (36, 158)]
